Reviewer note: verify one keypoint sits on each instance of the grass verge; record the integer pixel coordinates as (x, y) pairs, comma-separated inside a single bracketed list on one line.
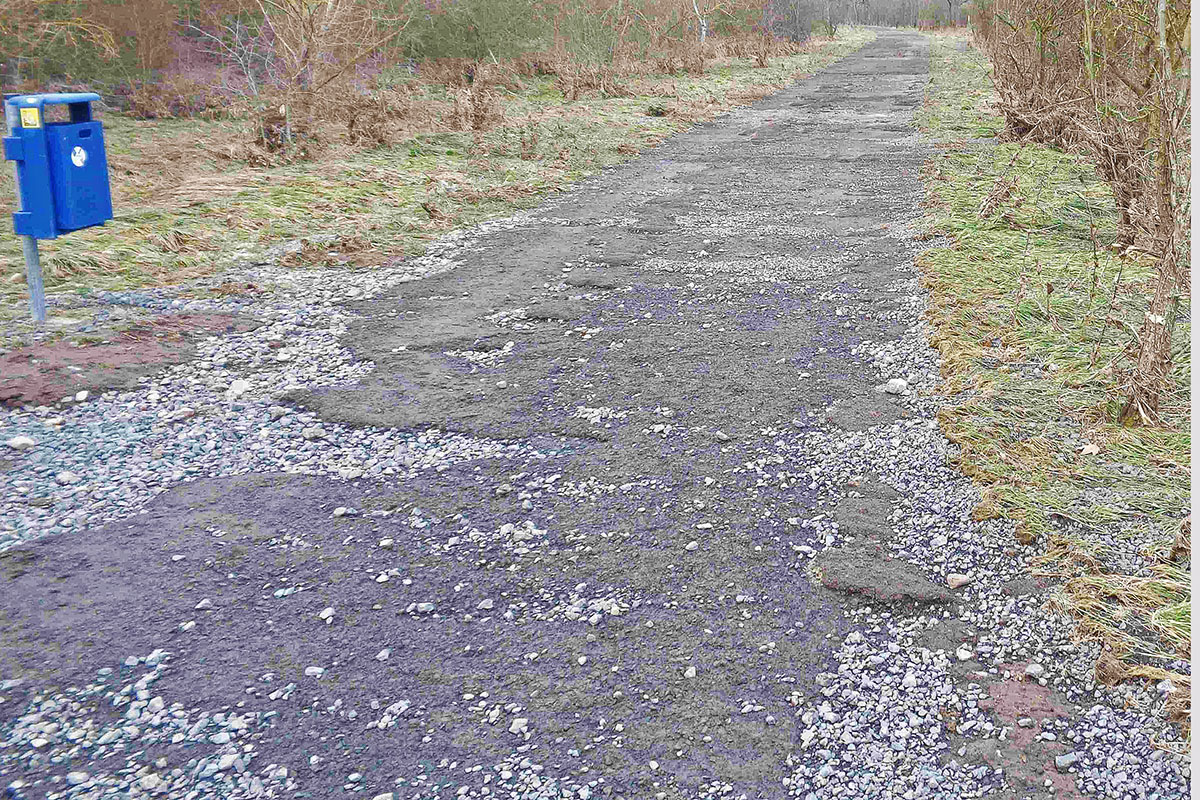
[(185, 205), (1033, 312)]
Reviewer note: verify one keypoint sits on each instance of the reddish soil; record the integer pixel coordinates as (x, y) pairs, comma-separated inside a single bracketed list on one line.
[(1026, 760), (45, 373)]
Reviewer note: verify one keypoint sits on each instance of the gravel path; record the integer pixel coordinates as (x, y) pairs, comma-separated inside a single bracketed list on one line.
[(637, 495)]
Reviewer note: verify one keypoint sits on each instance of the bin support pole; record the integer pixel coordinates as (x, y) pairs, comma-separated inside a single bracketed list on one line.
[(33, 263), (33, 277)]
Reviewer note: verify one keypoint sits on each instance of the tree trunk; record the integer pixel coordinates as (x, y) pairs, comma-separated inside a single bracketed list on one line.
[(1154, 348), (1154, 340)]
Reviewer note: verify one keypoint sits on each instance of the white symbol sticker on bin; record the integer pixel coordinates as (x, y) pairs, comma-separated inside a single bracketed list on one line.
[(79, 156)]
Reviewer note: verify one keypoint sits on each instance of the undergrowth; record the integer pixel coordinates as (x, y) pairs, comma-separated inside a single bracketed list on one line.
[(1032, 311), (186, 203)]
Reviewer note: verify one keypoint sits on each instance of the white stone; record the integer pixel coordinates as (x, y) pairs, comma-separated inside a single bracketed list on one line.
[(1035, 670), (314, 672), (486, 605), (81, 396), (20, 443), (692, 545), (896, 386), (239, 387), (519, 726), (956, 580), (690, 672), (76, 778)]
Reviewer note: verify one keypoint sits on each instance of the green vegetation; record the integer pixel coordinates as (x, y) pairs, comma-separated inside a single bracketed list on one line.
[(1035, 315)]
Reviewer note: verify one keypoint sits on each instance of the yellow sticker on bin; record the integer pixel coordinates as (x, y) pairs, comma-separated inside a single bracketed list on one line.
[(31, 118)]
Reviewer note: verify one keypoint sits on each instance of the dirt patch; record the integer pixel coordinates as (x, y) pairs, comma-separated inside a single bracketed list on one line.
[(554, 311), (589, 279), (46, 373), (1026, 585), (72, 603), (947, 636), (1027, 760)]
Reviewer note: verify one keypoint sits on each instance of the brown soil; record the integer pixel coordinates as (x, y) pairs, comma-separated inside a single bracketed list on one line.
[(41, 374), (1027, 761)]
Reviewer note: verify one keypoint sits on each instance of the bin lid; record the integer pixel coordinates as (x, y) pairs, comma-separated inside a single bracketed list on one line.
[(53, 99)]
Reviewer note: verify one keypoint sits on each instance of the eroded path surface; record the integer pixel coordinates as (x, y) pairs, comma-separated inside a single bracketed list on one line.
[(619, 511)]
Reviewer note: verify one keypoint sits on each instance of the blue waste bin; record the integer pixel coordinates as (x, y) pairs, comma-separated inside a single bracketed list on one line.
[(62, 169)]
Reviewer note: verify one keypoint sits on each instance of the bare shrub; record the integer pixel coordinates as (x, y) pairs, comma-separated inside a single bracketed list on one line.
[(529, 143), (575, 80), (504, 75), (1110, 78), (175, 96), (380, 118), (241, 44), (31, 31), (147, 25), (450, 72), (477, 108), (315, 44)]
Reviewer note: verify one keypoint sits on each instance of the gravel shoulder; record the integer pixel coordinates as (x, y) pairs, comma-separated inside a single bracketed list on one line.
[(639, 494)]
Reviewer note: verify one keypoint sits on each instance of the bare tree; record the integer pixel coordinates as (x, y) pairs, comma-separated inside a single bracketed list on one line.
[(1170, 105), (317, 41), (239, 42)]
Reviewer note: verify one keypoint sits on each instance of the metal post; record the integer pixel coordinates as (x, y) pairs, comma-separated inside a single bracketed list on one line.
[(33, 277), (33, 264)]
